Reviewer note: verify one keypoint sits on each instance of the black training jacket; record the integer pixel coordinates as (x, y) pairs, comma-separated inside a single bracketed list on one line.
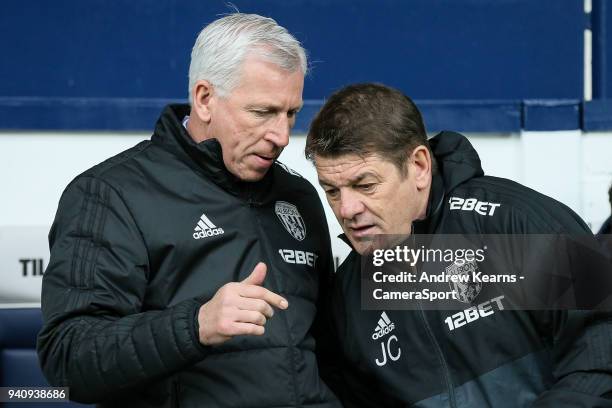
[(142, 240), (507, 359)]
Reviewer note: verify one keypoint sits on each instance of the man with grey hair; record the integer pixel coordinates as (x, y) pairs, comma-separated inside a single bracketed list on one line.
[(186, 271)]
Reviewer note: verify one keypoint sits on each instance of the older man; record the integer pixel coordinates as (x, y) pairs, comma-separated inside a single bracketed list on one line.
[(382, 177), (186, 271)]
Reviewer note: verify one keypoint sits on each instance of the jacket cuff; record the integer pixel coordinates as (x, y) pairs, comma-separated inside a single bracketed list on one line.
[(187, 321)]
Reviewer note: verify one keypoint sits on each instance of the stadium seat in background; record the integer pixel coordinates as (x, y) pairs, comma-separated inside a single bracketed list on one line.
[(18, 360)]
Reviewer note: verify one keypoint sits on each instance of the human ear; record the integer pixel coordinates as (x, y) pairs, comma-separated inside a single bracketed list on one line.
[(203, 100), (420, 160)]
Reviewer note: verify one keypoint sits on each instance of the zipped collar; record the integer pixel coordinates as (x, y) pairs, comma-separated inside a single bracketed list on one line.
[(457, 162), (207, 157)]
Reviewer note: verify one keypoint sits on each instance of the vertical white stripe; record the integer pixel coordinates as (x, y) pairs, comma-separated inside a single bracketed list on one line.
[(588, 56), (207, 221), (384, 316), (588, 65)]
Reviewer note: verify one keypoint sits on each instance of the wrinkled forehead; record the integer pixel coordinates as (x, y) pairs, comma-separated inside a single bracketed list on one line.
[(349, 168)]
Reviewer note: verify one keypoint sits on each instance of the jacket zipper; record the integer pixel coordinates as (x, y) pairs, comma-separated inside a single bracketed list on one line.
[(446, 371), (177, 390), (284, 316), (440, 354)]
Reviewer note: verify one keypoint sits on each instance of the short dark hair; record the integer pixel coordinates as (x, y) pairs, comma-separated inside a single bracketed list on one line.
[(367, 119)]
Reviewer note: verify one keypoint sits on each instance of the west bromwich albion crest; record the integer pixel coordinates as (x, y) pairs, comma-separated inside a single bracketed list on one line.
[(291, 219), (465, 288)]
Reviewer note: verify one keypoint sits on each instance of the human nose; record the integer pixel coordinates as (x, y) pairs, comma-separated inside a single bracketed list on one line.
[(350, 205), (280, 130)]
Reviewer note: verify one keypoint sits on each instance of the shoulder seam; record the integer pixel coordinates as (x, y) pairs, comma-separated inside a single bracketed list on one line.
[(123, 159), (288, 169), (519, 200)]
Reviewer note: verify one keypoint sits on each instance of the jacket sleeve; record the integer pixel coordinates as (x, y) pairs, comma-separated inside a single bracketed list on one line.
[(96, 339), (327, 343), (580, 339), (582, 358), (322, 330)]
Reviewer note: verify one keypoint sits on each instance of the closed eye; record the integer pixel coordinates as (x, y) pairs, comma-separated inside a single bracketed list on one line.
[(366, 187), (261, 113), (331, 192)]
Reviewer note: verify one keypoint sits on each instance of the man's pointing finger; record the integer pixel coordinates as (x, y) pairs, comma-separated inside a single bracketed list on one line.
[(258, 292)]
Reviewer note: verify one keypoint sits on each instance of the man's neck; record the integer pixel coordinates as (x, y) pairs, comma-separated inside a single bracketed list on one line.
[(425, 204), (194, 129)]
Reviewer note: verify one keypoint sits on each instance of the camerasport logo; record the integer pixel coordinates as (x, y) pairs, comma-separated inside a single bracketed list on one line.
[(205, 228)]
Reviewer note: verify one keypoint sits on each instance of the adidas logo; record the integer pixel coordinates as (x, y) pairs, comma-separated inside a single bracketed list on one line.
[(384, 327), (206, 228)]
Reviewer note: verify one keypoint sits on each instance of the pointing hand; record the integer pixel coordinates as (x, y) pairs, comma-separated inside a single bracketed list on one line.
[(239, 308)]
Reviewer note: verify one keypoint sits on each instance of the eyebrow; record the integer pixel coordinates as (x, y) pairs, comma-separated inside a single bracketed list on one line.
[(355, 180), (272, 107)]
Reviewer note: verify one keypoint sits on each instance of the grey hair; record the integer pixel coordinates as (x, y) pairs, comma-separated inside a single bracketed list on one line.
[(222, 46)]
